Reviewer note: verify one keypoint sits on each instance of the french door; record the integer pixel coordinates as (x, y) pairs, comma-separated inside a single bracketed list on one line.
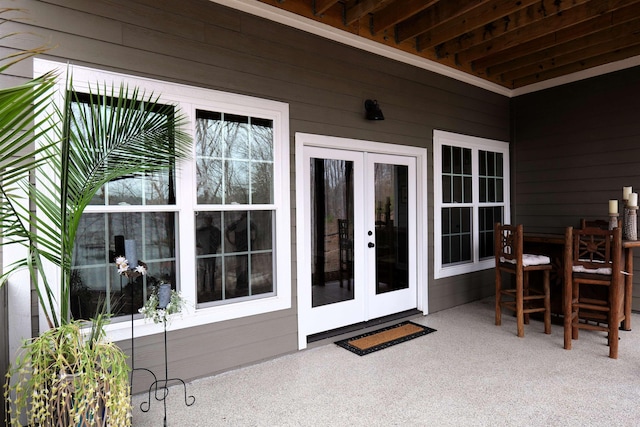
[(360, 245)]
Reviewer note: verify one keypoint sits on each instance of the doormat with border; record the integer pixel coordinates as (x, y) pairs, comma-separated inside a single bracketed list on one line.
[(383, 338)]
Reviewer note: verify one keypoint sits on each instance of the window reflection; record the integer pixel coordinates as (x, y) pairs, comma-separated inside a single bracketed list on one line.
[(234, 168), (234, 254), (101, 238), (234, 159)]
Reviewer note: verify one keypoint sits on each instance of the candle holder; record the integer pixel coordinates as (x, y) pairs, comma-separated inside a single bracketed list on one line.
[(625, 215), (630, 227), (613, 220)]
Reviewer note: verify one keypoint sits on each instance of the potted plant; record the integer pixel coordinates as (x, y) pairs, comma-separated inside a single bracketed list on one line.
[(66, 359)]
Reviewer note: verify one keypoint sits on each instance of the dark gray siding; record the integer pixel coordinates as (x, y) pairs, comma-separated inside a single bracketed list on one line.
[(574, 148), (325, 83)]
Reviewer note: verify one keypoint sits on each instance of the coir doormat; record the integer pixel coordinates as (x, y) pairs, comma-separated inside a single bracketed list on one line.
[(383, 338)]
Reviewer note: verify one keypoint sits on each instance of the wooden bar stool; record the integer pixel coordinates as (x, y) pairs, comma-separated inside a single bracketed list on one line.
[(522, 299), (596, 261)]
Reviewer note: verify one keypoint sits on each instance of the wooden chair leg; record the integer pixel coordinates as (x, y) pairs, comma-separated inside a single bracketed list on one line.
[(547, 302), (498, 297), (614, 321), (575, 311), (519, 306), (525, 292)]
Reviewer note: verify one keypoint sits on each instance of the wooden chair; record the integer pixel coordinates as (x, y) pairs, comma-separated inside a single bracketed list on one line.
[(593, 258), (522, 300)]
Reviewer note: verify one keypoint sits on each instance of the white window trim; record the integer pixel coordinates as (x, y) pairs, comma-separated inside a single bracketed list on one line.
[(187, 99), (441, 138)]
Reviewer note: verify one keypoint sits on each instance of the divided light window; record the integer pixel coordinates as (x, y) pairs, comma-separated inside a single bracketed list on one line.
[(235, 215), (471, 192), (207, 226)]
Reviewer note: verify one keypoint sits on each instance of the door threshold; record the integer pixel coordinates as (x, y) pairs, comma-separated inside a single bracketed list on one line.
[(384, 321)]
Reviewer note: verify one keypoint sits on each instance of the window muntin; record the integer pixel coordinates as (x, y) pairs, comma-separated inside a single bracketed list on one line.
[(471, 194)]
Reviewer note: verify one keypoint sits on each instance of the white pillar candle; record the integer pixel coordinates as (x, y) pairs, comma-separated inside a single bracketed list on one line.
[(613, 206), (130, 253), (633, 199), (625, 193)]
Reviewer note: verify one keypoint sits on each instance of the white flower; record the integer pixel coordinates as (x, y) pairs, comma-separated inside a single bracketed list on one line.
[(123, 268), (140, 269), (121, 260)]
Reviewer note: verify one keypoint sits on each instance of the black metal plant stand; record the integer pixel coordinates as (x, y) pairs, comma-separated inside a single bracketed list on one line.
[(161, 387), (133, 358)]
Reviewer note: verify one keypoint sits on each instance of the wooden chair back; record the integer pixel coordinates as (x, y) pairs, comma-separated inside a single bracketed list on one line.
[(508, 244)]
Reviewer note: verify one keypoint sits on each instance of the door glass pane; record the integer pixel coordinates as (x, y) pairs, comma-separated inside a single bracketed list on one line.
[(331, 231), (392, 223)]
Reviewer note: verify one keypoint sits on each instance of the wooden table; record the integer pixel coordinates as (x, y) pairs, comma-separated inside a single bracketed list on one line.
[(556, 239)]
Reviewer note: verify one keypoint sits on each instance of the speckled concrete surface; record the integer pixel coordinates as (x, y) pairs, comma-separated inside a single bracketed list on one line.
[(468, 373)]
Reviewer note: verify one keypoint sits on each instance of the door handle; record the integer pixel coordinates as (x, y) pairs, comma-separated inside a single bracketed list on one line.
[(371, 244)]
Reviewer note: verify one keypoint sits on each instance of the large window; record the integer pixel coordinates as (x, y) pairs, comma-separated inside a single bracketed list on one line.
[(208, 227), (471, 193)]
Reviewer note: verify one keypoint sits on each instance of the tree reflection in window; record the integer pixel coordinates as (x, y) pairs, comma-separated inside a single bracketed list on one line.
[(100, 236), (234, 225)]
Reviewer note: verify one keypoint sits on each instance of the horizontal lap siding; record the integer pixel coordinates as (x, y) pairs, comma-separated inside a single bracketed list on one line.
[(575, 147), (325, 83)]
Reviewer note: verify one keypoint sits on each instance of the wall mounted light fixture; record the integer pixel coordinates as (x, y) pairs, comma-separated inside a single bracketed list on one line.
[(372, 109)]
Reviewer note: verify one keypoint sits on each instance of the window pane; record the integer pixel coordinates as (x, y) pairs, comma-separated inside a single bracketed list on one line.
[(126, 191), (236, 181), (447, 166), (261, 183), (208, 242), (467, 161), (458, 189), (236, 136), (209, 178), (447, 194), (468, 190), (457, 160), (261, 139)]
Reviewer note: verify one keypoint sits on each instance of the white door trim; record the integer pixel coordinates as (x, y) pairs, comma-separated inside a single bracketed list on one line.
[(303, 140)]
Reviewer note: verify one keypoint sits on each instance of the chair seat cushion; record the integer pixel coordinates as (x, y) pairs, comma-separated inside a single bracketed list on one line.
[(597, 270), (583, 269), (530, 259)]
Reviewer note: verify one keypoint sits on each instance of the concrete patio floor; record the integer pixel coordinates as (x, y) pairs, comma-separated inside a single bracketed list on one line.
[(468, 373)]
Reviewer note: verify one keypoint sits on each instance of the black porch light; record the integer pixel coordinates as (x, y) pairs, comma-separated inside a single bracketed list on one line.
[(372, 109)]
